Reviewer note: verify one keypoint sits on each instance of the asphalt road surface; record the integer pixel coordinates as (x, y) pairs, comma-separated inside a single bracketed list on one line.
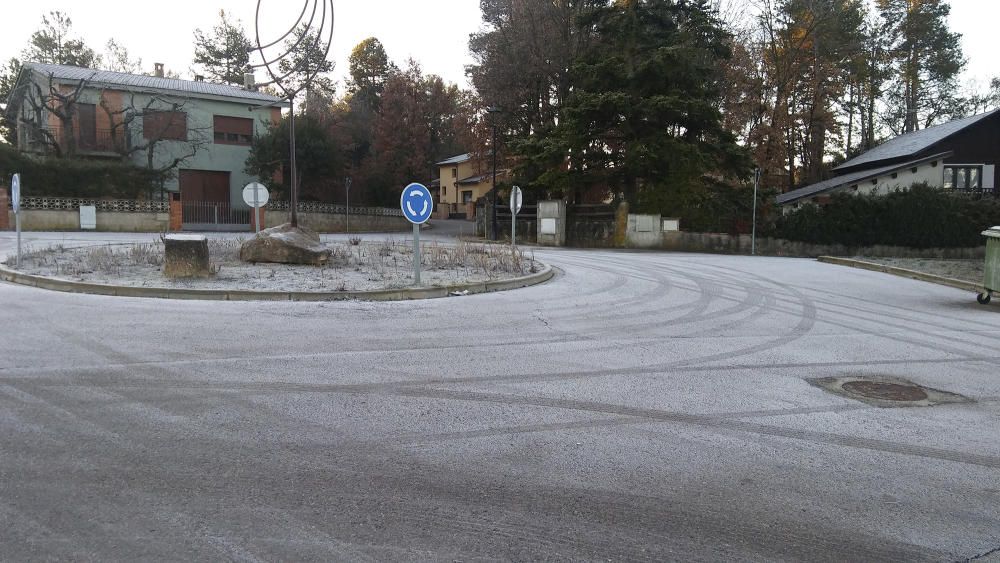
[(640, 406)]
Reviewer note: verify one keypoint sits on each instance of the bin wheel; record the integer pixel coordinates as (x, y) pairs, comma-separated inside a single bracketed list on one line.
[(984, 298)]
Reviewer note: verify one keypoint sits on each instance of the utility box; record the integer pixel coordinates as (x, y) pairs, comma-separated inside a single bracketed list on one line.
[(991, 275), (88, 217), (644, 231), (552, 223)]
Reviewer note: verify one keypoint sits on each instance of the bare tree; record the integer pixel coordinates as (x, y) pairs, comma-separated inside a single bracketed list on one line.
[(59, 100), (141, 129)]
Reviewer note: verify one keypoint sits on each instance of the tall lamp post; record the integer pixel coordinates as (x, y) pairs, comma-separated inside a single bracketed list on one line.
[(494, 226)]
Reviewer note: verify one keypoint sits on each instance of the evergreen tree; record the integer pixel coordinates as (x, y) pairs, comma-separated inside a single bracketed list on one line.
[(926, 58), (224, 55), (8, 78), (53, 44), (643, 118), (307, 66), (370, 70)]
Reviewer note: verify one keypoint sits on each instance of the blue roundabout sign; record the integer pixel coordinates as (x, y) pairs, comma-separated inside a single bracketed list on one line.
[(417, 203)]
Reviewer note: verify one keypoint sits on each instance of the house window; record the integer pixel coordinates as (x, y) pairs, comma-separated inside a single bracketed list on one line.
[(454, 172), (444, 191), (963, 178), (466, 197), (164, 126), (233, 130)]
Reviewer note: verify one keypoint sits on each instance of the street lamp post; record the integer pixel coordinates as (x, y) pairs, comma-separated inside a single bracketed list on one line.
[(494, 226)]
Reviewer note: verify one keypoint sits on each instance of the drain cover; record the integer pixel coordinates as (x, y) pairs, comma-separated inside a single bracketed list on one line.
[(887, 391)]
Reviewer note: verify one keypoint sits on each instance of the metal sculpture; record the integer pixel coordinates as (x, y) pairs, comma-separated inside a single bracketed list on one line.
[(309, 37)]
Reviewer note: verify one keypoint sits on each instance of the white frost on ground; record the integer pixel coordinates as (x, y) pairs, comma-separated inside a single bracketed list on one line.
[(363, 267), (967, 270)]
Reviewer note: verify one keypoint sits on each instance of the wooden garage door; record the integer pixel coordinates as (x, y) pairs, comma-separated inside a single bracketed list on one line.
[(206, 204), (204, 186)]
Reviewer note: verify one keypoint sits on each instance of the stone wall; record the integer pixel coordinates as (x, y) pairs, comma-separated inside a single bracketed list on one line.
[(109, 221), (718, 243), (337, 222)]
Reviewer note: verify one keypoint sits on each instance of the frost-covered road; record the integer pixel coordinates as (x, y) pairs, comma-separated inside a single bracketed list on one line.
[(640, 406)]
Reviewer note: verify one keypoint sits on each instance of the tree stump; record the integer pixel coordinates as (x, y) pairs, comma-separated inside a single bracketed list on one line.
[(186, 256)]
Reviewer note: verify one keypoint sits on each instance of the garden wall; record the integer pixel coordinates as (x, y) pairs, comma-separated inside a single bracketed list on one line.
[(63, 214), (719, 243), (332, 218)]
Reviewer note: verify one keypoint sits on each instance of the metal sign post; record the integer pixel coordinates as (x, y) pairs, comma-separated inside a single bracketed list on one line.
[(753, 236), (256, 196), (515, 207), (417, 205), (15, 203), (347, 187)]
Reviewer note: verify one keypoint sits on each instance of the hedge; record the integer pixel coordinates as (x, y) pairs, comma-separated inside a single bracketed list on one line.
[(65, 177), (922, 217)]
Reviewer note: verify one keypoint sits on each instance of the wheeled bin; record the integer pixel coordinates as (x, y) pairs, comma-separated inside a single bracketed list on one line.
[(991, 277)]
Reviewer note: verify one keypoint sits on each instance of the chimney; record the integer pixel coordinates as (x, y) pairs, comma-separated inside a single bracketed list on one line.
[(158, 70), (199, 78), (249, 81)]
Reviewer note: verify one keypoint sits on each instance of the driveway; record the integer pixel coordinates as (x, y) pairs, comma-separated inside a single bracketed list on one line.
[(640, 406)]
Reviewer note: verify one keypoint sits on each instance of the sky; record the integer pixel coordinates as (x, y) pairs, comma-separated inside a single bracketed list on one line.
[(433, 32)]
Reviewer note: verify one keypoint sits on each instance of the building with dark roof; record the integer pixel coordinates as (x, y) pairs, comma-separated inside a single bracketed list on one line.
[(959, 155), (199, 130)]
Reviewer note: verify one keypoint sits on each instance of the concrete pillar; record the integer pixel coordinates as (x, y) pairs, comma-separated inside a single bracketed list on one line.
[(552, 223)]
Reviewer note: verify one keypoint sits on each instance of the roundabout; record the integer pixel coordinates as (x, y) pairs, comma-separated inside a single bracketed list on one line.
[(638, 406), (379, 271)]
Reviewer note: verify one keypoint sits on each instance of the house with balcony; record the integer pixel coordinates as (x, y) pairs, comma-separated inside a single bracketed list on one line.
[(462, 181), (961, 155), (199, 131)]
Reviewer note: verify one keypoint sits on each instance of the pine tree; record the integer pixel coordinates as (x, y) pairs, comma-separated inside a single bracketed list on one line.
[(53, 44), (926, 58), (224, 55), (370, 70)]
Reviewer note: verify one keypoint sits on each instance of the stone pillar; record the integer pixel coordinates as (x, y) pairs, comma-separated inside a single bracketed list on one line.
[(552, 223), (621, 224), (186, 256), (176, 212), (4, 212)]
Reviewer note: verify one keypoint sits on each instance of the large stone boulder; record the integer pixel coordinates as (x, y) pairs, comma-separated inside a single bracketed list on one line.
[(285, 244), (186, 256)]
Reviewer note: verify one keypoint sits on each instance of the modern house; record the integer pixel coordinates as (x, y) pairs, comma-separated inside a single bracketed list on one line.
[(464, 179), (960, 155), (199, 131)]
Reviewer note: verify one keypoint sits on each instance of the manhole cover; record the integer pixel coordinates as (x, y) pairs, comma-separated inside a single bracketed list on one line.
[(885, 391)]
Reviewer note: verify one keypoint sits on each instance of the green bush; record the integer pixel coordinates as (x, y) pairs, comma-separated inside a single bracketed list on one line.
[(64, 177), (922, 217)]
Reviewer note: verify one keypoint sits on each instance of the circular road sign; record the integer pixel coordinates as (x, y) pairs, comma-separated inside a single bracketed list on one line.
[(255, 195), (516, 200), (416, 203), (15, 192)]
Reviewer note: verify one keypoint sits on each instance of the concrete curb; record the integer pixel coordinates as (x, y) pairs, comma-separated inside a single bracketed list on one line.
[(403, 294), (903, 272)]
